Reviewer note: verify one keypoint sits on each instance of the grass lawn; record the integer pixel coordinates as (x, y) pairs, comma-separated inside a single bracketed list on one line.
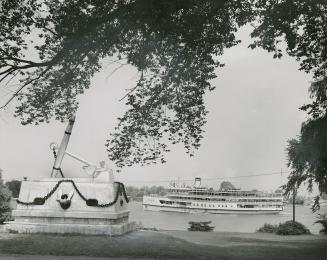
[(167, 245)]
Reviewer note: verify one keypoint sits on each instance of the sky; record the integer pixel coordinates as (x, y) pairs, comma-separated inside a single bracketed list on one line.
[(252, 113)]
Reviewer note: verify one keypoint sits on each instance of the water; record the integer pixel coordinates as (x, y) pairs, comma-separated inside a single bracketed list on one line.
[(222, 222)]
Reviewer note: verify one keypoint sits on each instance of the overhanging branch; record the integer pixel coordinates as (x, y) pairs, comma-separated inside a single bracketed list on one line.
[(24, 85)]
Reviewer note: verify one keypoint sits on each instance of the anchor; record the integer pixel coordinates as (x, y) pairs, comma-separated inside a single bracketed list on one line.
[(47, 205), (90, 169)]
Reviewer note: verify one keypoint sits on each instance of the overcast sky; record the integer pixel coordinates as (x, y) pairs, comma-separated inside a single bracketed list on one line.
[(253, 112)]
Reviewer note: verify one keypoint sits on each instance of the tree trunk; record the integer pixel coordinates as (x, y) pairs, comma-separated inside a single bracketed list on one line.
[(294, 195)]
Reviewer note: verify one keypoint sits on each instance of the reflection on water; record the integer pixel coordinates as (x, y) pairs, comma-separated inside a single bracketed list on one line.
[(222, 222)]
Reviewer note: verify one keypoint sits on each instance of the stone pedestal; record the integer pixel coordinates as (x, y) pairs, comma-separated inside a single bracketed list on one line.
[(71, 206)]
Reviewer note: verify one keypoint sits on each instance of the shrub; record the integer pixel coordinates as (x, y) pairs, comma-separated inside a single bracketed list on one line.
[(5, 197), (292, 228), (323, 221), (200, 226), (268, 228), (14, 187)]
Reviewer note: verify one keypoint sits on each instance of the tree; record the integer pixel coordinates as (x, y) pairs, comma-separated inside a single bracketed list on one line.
[(175, 46), (137, 193), (307, 157), (5, 197), (302, 25), (14, 187), (226, 185)]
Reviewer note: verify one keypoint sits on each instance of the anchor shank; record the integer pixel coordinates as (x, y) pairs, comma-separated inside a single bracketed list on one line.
[(62, 148)]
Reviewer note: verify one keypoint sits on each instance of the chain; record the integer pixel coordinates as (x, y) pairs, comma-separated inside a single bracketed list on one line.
[(120, 191)]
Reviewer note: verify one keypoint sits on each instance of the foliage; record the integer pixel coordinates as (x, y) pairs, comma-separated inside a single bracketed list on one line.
[(226, 185), (299, 200), (200, 226), (137, 193), (14, 187), (268, 228), (292, 228), (286, 228), (303, 26), (307, 156), (5, 197), (175, 46), (322, 219), (5, 210)]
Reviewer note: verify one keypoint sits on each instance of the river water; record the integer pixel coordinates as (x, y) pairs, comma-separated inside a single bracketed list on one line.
[(222, 222)]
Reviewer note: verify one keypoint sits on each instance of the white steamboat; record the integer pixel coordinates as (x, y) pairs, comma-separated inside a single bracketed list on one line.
[(198, 199)]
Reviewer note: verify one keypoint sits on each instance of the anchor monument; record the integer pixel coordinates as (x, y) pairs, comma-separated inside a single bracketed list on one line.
[(93, 205)]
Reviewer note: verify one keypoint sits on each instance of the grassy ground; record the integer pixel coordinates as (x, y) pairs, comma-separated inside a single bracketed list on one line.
[(167, 245)]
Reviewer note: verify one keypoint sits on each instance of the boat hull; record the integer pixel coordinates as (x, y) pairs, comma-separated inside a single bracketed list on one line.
[(153, 204), (212, 211)]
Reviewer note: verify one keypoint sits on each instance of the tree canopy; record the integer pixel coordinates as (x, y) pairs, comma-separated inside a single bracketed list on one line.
[(226, 185), (175, 46), (306, 37)]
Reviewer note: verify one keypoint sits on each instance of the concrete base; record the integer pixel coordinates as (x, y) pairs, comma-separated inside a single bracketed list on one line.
[(84, 229), (78, 218)]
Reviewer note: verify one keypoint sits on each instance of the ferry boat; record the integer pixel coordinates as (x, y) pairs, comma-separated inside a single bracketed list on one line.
[(198, 199)]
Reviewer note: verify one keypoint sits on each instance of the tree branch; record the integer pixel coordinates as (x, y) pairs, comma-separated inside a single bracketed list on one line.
[(133, 89), (8, 73), (13, 76), (19, 60), (24, 85), (49, 30)]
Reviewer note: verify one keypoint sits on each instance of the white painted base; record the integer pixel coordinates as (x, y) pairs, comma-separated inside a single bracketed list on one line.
[(79, 218), (83, 229)]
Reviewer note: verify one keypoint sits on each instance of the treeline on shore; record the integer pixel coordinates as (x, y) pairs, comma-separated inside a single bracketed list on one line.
[(136, 193), (299, 200)]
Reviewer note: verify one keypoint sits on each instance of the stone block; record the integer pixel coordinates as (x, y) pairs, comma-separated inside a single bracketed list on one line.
[(75, 217)]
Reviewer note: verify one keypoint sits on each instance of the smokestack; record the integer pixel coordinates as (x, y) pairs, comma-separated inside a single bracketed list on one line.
[(197, 182)]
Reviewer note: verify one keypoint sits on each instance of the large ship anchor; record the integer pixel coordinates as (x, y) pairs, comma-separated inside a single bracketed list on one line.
[(91, 169)]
